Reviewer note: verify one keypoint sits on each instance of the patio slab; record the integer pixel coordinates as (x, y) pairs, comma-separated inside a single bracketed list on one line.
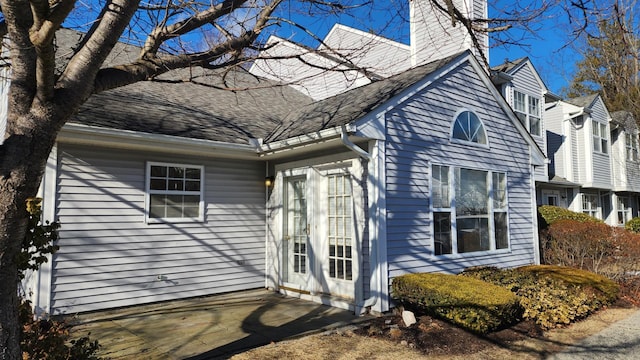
[(213, 327)]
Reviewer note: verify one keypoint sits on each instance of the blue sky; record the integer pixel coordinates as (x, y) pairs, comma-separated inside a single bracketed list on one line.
[(546, 45)]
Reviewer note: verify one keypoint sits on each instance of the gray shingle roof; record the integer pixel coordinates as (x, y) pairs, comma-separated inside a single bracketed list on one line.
[(583, 101), (200, 109), (508, 65), (625, 119), (344, 108), (197, 103)]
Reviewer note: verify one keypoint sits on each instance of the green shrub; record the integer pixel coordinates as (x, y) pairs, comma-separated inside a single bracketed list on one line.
[(551, 214), (552, 296), (633, 225), (469, 303)]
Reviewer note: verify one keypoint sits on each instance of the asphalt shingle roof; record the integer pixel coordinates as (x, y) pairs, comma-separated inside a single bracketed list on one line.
[(583, 101), (197, 103), (344, 108), (625, 119), (508, 65)]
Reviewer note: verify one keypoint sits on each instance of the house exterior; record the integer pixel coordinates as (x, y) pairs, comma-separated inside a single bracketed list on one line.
[(580, 153), (162, 196), (161, 193)]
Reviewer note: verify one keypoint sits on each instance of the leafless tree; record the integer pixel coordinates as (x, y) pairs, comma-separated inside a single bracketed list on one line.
[(45, 91)]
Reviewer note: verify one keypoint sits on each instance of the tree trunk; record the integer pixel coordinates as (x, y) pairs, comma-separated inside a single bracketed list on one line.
[(22, 162)]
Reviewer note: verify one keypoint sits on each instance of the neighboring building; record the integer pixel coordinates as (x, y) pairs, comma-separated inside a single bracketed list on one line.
[(625, 166), (580, 153), (524, 90)]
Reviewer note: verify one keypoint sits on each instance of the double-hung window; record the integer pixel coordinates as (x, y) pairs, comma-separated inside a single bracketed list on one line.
[(469, 210), (174, 192), (527, 109), (590, 204), (631, 141), (600, 138), (624, 210)]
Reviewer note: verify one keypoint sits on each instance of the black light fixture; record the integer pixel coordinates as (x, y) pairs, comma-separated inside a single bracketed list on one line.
[(269, 180)]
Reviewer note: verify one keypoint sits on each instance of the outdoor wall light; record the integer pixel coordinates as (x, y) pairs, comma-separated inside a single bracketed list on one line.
[(269, 180)]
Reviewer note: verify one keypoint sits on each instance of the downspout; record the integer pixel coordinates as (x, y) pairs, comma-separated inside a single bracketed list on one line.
[(373, 250)]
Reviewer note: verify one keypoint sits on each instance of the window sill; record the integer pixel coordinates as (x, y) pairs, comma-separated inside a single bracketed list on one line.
[(470, 254), (174, 221)]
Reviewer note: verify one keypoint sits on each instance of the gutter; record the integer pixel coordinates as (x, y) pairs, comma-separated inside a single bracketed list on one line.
[(126, 139)]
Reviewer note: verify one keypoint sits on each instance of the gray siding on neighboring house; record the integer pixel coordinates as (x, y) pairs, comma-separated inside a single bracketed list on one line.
[(602, 171), (418, 133), (109, 256), (601, 162), (524, 81)]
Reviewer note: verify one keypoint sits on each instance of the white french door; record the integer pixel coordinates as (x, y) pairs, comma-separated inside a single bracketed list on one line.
[(319, 247)]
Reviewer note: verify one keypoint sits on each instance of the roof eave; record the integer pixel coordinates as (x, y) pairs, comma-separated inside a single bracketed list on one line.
[(79, 134)]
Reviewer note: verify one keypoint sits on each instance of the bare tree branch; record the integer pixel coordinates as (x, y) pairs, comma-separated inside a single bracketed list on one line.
[(162, 33)]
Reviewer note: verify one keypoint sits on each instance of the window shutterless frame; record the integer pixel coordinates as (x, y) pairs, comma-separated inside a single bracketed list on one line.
[(174, 193), (455, 224)]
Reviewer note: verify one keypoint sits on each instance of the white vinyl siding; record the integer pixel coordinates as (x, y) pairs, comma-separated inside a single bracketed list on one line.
[(410, 154), (109, 257)]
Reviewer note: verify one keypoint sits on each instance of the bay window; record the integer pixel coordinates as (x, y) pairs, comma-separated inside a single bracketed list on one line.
[(469, 210)]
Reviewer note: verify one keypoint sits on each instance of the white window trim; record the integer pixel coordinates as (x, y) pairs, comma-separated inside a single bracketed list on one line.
[(626, 212), (527, 114), (592, 212), (452, 210), (466, 142), (631, 146), (148, 192), (599, 138)]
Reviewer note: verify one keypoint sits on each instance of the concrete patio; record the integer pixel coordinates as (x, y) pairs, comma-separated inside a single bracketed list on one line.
[(205, 328)]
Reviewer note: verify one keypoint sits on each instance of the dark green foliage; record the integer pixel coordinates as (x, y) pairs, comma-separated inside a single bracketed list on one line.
[(469, 303), (633, 225), (50, 339), (551, 214), (39, 240), (552, 296)]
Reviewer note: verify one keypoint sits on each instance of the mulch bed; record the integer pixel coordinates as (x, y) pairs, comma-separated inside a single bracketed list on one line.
[(436, 337)]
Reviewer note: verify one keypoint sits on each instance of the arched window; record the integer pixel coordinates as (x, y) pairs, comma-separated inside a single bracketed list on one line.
[(468, 127)]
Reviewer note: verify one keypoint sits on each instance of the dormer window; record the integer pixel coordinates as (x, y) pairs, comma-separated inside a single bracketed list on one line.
[(527, 109), (468, 127), (600, 138), (631, 141)]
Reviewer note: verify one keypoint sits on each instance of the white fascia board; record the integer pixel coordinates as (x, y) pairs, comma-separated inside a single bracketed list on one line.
[(537, 155), (124, 139), (304, 140)]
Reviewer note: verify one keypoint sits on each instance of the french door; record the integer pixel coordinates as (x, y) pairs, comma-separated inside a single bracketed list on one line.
[(319, 247)]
